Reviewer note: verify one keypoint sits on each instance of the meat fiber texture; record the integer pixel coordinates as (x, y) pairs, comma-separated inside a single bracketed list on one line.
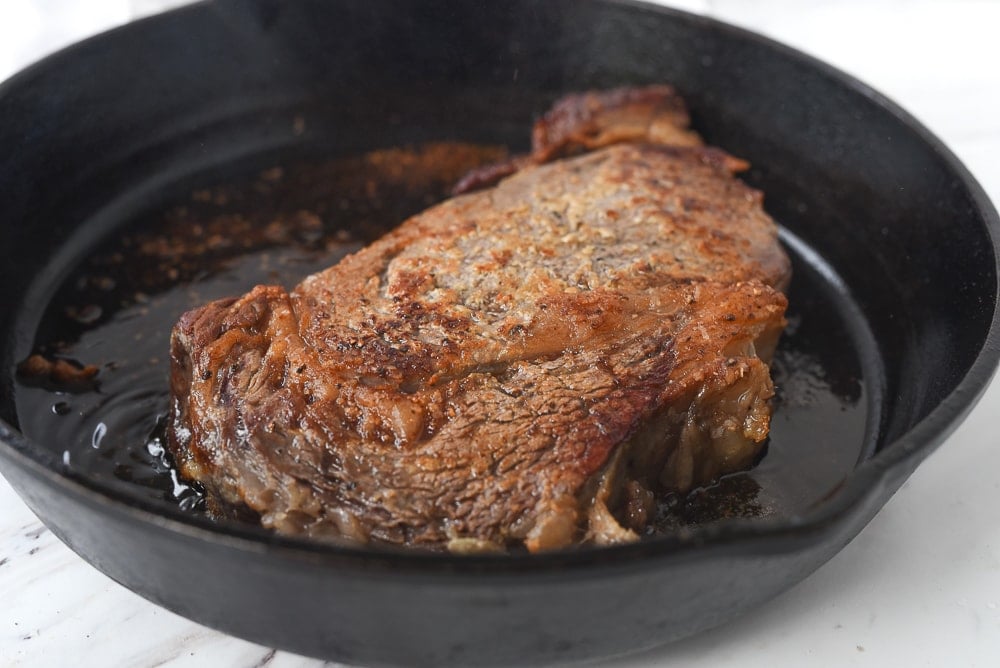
[(526, 364)]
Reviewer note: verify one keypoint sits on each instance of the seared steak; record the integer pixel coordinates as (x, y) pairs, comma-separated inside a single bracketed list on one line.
[(524, 364)]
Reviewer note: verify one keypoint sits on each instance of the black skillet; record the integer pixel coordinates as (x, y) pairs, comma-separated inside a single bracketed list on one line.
[(893, 241)]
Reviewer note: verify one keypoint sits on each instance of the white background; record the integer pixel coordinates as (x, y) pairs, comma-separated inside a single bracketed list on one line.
[(919, 587)]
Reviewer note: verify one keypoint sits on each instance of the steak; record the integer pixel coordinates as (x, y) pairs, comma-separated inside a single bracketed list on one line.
[(526, 364)]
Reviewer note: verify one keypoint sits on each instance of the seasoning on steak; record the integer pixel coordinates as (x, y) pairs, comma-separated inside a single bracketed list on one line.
[(525, 364)]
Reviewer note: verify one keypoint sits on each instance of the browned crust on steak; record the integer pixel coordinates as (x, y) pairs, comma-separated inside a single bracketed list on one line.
[(468, 379), (587, 121), (590, 120)]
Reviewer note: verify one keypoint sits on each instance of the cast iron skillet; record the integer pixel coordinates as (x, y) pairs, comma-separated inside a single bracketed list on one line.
[(904, 233)]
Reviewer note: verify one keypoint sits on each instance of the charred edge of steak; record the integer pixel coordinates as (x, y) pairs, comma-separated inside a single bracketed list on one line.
[(491, 174), (716, 427), (585, 121), (719, 430)]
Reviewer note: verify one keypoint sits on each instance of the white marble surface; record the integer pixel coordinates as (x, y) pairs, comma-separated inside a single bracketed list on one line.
[(920, 585)]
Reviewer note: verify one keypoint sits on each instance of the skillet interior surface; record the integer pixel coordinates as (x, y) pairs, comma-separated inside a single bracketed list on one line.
[(895, 250)]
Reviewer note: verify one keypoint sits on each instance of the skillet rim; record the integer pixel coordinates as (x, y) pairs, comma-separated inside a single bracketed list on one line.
[(859, 489)]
